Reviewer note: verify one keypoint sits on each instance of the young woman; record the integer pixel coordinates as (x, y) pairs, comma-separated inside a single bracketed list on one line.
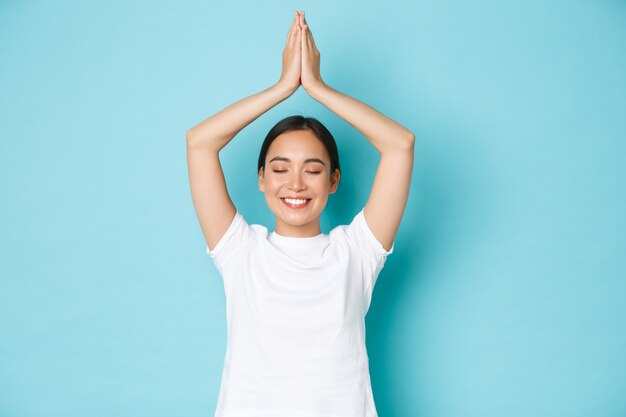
[(296, 297)]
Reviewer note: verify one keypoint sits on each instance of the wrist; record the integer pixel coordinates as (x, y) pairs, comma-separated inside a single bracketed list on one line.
[(314, 89), (284, 88)]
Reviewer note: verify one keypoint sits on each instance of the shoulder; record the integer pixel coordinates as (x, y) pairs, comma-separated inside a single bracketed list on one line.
[(239, 236), (358, 234)]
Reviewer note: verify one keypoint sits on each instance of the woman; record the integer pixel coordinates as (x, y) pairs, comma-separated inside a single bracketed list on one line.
[(296, 297)]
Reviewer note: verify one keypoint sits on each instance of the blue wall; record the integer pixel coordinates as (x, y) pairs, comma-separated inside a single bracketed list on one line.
[(505, 295)]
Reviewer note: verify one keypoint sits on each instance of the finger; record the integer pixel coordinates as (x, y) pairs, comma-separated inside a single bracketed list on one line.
[(303, 21), (313, 45), (303, 37), (307, 37), (294, 22), (311, 40), (294, 36), (298, 41), (310, 43), (302, 24)]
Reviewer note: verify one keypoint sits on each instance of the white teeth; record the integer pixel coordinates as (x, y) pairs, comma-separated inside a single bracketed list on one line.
[(294, 201)]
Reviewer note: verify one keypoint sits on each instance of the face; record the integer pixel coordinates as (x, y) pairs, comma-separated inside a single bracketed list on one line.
[(297, 166)]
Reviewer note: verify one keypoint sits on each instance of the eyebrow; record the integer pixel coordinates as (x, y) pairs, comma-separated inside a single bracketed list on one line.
[(282, 158)]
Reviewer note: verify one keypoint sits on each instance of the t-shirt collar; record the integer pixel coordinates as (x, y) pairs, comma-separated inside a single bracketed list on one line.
[(296, 242)]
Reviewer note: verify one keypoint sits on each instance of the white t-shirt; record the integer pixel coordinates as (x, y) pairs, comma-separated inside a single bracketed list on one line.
[(295, 311)]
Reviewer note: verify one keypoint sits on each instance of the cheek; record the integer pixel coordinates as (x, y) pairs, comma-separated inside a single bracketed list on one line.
[(322, 183), (273, 183)]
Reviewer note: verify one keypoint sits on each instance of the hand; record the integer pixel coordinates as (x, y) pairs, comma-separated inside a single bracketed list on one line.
[(310, 72), (290, 75)]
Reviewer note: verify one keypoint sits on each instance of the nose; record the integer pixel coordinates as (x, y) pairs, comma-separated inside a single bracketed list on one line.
[(295, 182)]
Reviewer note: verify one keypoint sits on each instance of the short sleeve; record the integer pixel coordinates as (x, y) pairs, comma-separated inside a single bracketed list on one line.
[(360, 232), (362, 236), (238, 233)]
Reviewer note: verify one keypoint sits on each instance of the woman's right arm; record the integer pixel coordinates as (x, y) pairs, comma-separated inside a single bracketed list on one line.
[(213, 206)]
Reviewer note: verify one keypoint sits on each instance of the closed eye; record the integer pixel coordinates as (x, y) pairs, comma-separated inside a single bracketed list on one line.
[(310, 172)]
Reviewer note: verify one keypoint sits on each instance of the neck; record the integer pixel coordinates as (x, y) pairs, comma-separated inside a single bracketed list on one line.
[(310, 229)]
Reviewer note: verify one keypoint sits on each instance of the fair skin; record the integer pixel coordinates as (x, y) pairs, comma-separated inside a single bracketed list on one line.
[(300, 67), (297, 166)]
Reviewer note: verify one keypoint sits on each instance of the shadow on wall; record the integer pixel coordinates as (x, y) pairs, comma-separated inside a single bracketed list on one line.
[(447, 212)]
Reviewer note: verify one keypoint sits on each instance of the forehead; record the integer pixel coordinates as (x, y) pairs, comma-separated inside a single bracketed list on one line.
[(298, 144)]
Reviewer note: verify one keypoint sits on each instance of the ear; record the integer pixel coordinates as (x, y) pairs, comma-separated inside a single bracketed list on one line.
[(261, 180), (334, 181)]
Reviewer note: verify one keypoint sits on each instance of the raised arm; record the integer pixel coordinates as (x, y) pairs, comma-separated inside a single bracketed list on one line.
[(389, 194), (213, 206)]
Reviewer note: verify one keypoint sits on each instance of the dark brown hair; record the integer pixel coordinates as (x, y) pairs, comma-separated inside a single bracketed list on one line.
[(298, 122)]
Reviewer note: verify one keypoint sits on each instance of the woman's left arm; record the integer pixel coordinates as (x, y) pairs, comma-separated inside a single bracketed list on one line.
[(390, 191)]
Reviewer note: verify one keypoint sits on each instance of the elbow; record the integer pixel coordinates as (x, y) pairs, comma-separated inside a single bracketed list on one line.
[(409, 141), (189, 137), (195, 142), (403, 142)]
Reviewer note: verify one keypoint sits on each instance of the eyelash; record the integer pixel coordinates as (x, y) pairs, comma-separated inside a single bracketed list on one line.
[(310, 172)]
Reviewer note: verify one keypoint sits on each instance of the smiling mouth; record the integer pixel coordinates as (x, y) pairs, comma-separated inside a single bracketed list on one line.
[(296, 202)]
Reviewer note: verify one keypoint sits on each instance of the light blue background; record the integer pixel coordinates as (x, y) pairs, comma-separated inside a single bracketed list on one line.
[(505, 295)]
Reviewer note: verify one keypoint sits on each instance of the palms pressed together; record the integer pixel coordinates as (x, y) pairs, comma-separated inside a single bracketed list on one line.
[(301, 58)]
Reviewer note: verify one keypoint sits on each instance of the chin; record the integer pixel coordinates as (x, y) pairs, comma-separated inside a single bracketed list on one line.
[(296, 219)]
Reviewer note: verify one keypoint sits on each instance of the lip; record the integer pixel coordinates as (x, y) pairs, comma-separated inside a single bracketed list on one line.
[(294, 206)]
